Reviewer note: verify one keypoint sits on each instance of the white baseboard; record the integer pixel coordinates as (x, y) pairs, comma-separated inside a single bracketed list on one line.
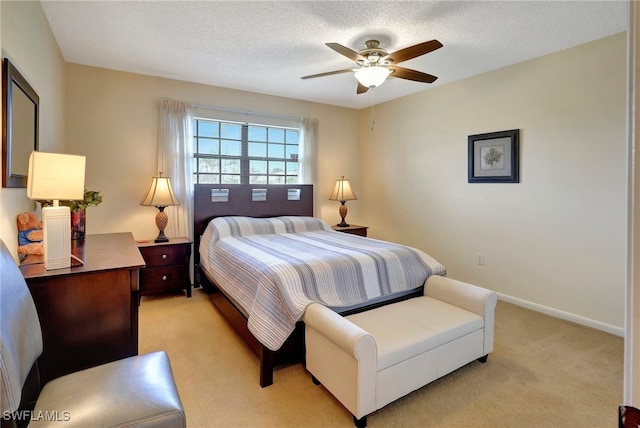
[(618, 331)]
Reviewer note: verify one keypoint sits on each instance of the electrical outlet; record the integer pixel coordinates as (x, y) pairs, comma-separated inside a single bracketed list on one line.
[(479, 259)]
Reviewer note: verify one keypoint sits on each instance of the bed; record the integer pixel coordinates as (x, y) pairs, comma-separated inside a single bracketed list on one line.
[(264, 260)]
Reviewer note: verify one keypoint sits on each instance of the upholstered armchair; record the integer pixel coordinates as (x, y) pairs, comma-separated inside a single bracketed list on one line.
[(137, 391)]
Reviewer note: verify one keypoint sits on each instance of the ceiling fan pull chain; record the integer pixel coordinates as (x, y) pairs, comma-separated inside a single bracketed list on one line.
[(373, 104)]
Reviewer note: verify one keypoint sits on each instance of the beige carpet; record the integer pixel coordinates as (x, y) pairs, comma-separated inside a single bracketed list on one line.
[(544, 372)]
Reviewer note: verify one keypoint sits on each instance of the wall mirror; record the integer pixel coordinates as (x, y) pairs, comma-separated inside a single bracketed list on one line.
[(20, 114)]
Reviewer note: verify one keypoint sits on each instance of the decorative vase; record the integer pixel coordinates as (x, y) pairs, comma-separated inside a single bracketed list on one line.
[(78, 219)]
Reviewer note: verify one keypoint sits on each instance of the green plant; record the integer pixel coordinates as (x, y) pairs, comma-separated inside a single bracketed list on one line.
[(91, 198)]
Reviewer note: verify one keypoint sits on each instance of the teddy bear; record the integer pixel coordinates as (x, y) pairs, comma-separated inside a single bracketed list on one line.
[(29, 234)]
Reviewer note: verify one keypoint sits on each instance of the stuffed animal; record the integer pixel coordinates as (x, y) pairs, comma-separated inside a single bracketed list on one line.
[(29, 234)]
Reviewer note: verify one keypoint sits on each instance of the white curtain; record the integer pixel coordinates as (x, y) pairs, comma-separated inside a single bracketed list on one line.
[(308, 157), (175, 160)]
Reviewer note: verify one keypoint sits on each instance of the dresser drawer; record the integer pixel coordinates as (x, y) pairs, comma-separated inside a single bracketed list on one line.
[(164, 255), (161, 279)]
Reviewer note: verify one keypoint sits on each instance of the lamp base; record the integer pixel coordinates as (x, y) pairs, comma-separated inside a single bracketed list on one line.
[(56, 230), (343, 213), (161, 222), (161, 238)]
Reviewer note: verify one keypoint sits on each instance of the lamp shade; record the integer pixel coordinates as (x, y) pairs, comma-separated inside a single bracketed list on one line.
[(56, 176), (342, 191), (160, 193), (372, 76)]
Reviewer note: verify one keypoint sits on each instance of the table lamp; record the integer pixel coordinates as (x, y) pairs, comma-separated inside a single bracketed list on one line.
[(160, 195), (55, 176), (342, 192)]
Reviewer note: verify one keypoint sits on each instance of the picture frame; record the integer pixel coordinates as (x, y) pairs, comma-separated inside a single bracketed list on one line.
[(494, 157)]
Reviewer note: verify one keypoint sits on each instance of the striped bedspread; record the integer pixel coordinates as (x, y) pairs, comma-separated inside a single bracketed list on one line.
[(274, 267)]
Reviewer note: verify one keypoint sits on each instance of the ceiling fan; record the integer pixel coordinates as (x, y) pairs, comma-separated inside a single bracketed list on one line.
[(375, 64)]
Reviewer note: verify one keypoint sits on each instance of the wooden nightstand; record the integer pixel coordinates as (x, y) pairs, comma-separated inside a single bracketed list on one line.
[(353, 229), (167, 266)]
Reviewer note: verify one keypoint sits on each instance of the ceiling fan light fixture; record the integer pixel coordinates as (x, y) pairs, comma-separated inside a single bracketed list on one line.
[(372, 76)]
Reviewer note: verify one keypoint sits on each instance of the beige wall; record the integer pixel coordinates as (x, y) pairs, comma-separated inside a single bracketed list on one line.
[(555, 241), (29, 44), (112, 118)]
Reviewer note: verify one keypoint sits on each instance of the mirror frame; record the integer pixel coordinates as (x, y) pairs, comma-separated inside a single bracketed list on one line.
[(11, 76)]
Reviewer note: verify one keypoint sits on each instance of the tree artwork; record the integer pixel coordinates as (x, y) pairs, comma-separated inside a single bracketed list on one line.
[(492, 157)]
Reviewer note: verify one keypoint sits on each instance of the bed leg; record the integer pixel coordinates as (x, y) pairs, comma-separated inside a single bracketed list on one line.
[(483, 359), (266, 367), (360, 423)]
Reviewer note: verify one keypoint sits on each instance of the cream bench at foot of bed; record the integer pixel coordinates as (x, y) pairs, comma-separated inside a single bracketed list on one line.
[(370, 359)]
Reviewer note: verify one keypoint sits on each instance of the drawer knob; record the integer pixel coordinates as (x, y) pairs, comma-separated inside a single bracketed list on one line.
[(164, 277), (164, 256)]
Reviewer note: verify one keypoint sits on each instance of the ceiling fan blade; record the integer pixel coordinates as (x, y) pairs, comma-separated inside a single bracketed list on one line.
[(405, 73), (343, 50), (413, 51), (361, 88), (328, 73)]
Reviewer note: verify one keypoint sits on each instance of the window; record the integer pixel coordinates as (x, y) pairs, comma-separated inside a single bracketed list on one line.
[(243, 153)]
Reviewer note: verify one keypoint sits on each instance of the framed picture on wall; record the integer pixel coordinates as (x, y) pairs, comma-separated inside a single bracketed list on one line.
[(494, 157)]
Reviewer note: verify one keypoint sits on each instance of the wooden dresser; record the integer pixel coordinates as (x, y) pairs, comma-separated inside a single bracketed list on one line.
[(88, 313)]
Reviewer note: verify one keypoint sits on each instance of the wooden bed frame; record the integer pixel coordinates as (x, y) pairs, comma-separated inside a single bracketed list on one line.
[(240, 204)]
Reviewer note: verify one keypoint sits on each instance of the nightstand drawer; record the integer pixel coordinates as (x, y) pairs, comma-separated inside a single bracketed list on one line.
[(157, 280), (164, 255)]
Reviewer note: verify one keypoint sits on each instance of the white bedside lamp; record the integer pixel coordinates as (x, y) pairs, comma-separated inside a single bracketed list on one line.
[(342, 192), (54, 176), (160, 195)]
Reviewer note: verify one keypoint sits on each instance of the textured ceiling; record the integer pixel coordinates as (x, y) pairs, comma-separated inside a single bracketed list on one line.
[(266, 46)]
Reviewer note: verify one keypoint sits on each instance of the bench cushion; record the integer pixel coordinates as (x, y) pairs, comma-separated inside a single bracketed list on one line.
[(408, 328)]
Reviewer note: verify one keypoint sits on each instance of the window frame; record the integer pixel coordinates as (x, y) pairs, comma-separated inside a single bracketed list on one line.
[(289, 145)]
